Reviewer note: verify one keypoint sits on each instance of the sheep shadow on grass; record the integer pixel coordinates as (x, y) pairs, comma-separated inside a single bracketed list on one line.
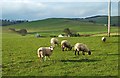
[(81, 60)]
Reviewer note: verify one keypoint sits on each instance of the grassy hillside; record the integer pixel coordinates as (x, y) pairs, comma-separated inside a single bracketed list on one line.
[(56, 26), (19, 57), (103, 19)]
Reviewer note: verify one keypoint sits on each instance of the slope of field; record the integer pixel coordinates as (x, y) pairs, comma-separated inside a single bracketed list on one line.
[(103, 19), (57, 25)]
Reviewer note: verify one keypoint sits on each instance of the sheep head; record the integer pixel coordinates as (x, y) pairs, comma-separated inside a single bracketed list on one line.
[(103, 39)]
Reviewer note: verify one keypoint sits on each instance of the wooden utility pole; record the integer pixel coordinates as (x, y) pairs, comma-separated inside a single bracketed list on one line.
[(109, 15)]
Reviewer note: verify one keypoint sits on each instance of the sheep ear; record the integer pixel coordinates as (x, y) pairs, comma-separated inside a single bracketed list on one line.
[(51, 46)]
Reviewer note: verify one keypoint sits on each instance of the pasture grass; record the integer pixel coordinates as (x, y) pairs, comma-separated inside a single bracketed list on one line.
[(19, 53), (19, 57), (0, 51)]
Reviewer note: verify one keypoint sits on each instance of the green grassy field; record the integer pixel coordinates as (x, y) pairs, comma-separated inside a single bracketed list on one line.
[(0, 51), (19, 53), (20, 58)]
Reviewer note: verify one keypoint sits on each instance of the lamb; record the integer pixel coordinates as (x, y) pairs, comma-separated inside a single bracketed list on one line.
[(44, 51), (103, 39), (81, 47), (65, 44), (54, 41)]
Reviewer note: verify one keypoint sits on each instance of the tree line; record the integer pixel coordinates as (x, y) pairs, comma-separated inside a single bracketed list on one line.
[(6, 22)]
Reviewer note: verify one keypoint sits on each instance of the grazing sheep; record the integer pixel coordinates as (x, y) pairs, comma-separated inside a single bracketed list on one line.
[(54, 41), (81, 47), (103, 39), (44, 51), (65, 44), (37, 35)]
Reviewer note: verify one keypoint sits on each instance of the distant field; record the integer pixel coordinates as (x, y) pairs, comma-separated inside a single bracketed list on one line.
[(103, 19), (19, 56), (56, 27)]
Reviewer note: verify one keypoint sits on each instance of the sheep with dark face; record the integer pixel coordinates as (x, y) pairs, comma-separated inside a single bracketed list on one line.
[(81, 47), (54, 41), (65, 45), (44, 51), (103, 39)]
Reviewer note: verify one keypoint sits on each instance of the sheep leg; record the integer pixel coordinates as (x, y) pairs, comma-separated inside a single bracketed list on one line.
[(69, 49), (66, 49), (78, 53), (62, 48), (75, 51), (40, 59), (83, 53), (44, 58), (58, 44), (40, 56), (49, 58)]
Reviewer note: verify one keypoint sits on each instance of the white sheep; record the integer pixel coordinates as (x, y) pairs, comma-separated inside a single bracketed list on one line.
[(44, 51), (65, 44), (103, 39), (81, 47), (54, 41)]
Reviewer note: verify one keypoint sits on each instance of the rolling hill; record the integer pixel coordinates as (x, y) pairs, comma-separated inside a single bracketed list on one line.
[(55, 26), (103, 20), (99, 19)]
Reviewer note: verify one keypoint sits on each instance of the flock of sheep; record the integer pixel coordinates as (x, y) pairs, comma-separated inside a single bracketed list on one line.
[(42, 52)]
